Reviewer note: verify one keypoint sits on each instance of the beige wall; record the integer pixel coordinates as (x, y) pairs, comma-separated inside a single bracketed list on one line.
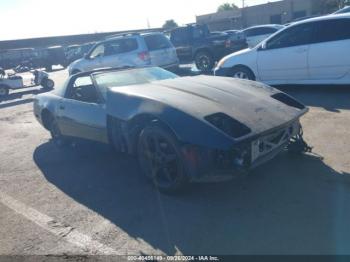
[(257, 15), (261, 14)]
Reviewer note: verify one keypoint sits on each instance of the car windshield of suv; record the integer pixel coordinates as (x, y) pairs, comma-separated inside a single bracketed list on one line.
[(131, 77)]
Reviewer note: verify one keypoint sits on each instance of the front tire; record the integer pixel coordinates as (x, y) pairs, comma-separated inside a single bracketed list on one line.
[(161, 160), (56, 135), (204, 61), (242, 72)]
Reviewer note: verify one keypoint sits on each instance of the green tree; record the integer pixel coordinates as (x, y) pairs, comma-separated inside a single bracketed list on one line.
[(227, 7), (170, 24)]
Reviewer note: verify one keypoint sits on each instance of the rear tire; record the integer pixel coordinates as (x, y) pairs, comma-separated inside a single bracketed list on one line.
[(204, 61), (161, 159)]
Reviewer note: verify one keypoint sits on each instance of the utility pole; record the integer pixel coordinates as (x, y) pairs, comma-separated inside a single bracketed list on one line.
[(243, 14)]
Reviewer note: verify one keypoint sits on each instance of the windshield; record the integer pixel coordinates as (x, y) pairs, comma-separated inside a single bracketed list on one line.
[(131, 77), (343, 11)]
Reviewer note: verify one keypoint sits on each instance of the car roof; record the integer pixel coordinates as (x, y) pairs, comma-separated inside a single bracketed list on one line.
[(322, 18), (262, 26), (130, 35)]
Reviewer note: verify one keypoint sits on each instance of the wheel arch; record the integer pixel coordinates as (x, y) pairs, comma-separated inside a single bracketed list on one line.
[(123, 134), (203, 49), (46, 118), (242, 66)]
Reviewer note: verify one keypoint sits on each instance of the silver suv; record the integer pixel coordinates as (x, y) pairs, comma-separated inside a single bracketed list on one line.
[(129, 50)]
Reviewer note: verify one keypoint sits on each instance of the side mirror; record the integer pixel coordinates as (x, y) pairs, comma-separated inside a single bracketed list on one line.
[(262, 46)]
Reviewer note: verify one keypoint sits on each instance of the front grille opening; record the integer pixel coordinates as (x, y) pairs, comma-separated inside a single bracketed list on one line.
[(228, 125), (285, 99)]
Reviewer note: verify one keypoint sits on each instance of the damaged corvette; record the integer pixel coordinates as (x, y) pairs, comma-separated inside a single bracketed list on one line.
[(182, 129)]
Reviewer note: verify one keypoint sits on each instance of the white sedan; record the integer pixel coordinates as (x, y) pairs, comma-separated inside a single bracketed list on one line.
[(256, 34), (313, 51)]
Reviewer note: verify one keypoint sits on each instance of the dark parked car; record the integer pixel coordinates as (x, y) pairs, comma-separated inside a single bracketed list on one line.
[(182, 129), (196, 43)]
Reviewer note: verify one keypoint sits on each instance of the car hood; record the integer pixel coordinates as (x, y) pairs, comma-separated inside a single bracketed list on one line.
[(238, 53), (77, 63), (245, 101)]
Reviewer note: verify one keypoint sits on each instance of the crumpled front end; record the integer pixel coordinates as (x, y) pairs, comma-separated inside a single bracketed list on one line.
[(216, 165)]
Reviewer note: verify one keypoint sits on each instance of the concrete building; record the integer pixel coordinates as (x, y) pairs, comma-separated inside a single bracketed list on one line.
[(279, 12), (221, 20)]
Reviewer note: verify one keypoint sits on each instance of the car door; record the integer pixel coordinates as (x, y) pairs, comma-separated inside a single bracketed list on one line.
[(82, 112), (121, 52), (328, 57), (182, 39), (161, 51), (284, 57)]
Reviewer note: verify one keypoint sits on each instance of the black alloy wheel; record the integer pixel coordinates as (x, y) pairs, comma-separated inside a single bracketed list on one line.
[(160, 158), (204, 61)]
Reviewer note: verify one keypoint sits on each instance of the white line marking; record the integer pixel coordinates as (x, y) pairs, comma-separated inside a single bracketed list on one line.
[(61, 230)]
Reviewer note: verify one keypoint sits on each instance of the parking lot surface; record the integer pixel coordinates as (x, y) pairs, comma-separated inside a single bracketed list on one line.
[(87, 200)]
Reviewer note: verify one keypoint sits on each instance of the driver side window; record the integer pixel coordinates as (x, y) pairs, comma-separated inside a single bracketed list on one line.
[(82, 89), (98, 51), (302, 34)]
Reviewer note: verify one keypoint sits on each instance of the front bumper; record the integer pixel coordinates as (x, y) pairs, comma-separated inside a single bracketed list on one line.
[(172, 66), (207, 165), (221, 71)]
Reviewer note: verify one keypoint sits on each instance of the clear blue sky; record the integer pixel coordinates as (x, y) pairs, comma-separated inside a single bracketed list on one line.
[(35, 18)]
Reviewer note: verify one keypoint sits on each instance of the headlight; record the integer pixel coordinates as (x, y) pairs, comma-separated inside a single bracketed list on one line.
[(228, 125), (221, 62), (287, 100)]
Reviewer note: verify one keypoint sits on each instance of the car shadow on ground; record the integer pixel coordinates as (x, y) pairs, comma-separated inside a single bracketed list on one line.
[(290, 205), (331, 98)]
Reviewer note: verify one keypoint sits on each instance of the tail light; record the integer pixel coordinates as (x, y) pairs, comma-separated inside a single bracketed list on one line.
[(144, 56)]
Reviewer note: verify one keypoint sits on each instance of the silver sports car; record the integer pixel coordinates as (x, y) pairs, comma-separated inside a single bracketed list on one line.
[(182, 129)]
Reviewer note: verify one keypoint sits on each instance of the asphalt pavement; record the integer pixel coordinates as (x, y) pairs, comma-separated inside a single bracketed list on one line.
[(87, 200)]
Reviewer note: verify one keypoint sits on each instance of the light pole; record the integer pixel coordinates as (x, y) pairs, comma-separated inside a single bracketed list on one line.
[(243, 14)]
